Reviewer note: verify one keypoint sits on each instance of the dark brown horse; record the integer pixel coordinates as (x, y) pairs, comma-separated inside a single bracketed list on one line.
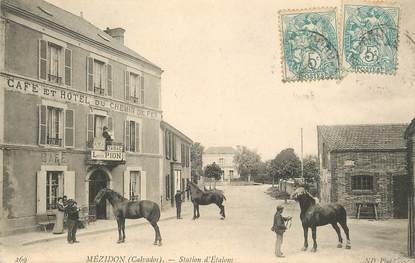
[(314, 215), (125, 209), (200, 197)]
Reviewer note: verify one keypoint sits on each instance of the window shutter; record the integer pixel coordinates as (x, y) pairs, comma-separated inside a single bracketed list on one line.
[(109, 80), (42, 124), (137, 137), (69, 128), (41, 192), (90, 74), (127, 135), (68, 67), (127, 85), (69, 184), (143, 180), (43, 59), (174, 148), (166, 144), (142, 90), (127, 184), (90, 129)]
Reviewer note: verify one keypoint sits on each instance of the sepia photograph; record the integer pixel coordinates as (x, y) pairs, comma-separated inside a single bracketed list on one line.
[(207, 131)]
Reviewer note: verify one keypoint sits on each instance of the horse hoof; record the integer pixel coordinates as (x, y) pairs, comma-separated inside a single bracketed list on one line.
[(304, 249), (159, 244), (155, 243), (339, 246), (119, 241), (314, 250), (348, 247), (222, 218)]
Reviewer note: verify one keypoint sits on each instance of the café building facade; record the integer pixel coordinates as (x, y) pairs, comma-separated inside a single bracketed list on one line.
[(62, 80)]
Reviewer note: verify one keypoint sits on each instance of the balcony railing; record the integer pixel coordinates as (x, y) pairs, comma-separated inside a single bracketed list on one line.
[(135, 99), (55, 79), (99, 90), (54, 141)]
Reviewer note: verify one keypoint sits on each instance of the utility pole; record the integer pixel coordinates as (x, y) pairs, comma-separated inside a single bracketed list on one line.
[(302, 163)]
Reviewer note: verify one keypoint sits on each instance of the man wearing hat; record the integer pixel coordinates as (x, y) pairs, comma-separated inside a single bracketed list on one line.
[(279, 228), (179, 200)]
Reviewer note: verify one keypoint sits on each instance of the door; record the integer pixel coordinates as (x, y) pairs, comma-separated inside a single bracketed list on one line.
[(98, 181), (400, 196)]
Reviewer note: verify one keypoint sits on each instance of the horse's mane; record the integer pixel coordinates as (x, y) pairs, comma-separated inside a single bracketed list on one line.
[(116, 194), (196, 187)]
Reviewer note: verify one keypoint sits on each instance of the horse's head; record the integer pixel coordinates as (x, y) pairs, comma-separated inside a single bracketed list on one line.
[(301, 195), (102, 194)]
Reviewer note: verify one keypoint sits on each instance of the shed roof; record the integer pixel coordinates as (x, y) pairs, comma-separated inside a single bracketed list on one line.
[(220, 150), (364, 137), (45, 11)]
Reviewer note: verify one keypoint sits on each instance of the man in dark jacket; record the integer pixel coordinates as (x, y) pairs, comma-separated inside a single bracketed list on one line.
[(178, 198), (279, 228), (72, 222)]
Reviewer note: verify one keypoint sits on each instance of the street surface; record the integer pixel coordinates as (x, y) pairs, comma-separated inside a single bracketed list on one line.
[(244, 236)]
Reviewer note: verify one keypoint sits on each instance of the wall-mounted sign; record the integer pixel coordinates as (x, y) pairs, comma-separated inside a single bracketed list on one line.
[(107, 155), (53, 158), (57, 93)]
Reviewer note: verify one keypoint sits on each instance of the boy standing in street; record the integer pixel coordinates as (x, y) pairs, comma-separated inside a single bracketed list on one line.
[(72, 221), (178, 198), (279, 228)]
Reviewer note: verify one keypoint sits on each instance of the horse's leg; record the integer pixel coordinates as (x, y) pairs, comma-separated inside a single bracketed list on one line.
[(123, 228), (157, 239), (221, 210), (346, 231), (314, 234), (194, 210), (336, 227), (305, 228), (119, 229)]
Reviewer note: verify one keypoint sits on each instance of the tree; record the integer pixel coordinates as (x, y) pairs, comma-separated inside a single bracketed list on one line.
[(196, 151), (213, 171), (247, 162), (311, 169), (285, 165)]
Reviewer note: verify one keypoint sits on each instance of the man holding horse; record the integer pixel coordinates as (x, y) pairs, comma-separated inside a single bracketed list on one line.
[(179, 199), (279, 228)]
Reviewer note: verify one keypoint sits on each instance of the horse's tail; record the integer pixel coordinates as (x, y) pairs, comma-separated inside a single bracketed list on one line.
[(341, 214), (224, 198), (155, 214)]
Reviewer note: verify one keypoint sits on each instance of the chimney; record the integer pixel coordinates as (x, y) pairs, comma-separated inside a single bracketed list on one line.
[(116, 33)]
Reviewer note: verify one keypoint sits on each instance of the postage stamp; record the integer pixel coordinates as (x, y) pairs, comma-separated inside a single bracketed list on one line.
[(309, 41), (370, 38)]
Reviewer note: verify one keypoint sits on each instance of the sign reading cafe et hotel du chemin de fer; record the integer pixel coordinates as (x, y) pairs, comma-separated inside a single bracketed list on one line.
[(56, 93)]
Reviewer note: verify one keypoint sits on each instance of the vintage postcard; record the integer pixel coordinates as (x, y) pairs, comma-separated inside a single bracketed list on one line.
[(202, 131)]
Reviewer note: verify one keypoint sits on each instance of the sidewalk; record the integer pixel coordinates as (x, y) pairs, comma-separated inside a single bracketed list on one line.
[(100, 226)]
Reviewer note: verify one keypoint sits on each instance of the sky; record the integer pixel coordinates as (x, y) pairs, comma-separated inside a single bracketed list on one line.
[(222, 85)]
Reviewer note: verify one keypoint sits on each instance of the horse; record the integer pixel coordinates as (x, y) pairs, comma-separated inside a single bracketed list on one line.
[(200, 197), (314, 215), (125, 209)]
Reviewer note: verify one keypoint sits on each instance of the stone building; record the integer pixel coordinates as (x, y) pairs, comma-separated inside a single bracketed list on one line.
[(61, 81), (176, 163), (222, 156), (410, 138), (364, 166)]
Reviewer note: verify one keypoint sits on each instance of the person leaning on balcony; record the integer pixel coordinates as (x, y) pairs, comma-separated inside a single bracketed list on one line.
[(107, 136)]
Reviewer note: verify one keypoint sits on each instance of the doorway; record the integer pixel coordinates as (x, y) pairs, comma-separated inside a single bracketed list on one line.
[(97, 181), (400, 196)]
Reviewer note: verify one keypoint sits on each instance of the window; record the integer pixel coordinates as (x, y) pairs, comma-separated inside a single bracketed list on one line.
[(231, 173), (173, 146), (134, 87), (55, 63), (99, 77), (135, 187), (95, 127), (54, 188), (56, 126), (221, 162), (362, 182), (132, 136), (183, 154), (187, 149), (168, 187)]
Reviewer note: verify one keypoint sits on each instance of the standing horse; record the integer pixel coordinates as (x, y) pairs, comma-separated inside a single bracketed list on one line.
[(125, 209), (200, 197), (314, 215)]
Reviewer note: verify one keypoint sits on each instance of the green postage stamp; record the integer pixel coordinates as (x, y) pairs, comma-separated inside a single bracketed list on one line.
[(309, 44), (370, 38)]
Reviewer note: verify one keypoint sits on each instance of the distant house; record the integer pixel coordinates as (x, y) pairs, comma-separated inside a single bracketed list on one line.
[(364, 166), (410, 137), (222, 156)]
